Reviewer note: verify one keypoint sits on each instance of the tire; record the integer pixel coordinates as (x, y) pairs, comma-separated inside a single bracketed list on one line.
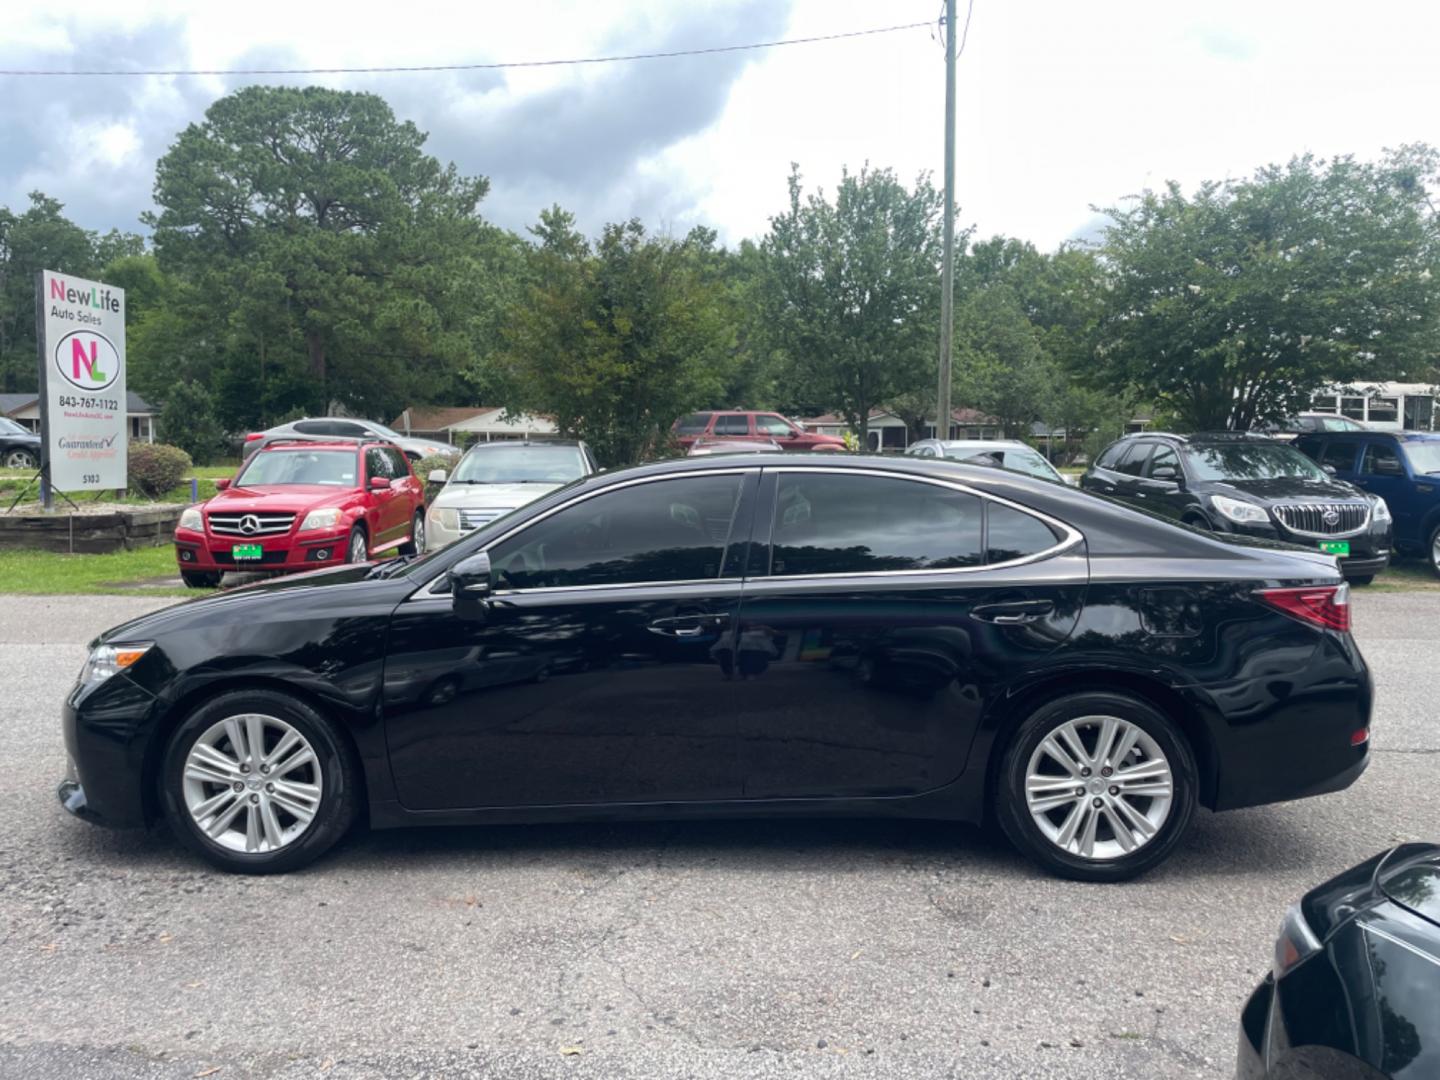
[(1432, 551), (1195, 521), (416, 544), (357, 547), (1361, 579), (200, 579), (1155, 738), (20, 459), (333, 776)]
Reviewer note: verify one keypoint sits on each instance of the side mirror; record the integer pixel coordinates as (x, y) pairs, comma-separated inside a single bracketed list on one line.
[(438, 476), (470, 586), (1167, 473), (222, 484), (1388, 467), (379, 483)]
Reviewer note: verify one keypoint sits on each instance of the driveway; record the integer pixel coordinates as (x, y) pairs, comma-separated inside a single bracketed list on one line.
[(865, 949)]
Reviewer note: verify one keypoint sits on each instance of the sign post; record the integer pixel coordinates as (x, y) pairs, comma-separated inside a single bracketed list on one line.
[(84, 421)]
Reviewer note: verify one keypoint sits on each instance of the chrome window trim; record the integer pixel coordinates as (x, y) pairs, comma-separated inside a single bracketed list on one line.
[(1408, 946), (1070, 536)]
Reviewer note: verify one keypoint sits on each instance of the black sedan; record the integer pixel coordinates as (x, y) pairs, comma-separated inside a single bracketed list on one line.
[(1249, 485), (1355, 989), (19, 446), (777, 634)]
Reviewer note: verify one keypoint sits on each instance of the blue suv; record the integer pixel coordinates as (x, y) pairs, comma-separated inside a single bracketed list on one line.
[(1402, 467)]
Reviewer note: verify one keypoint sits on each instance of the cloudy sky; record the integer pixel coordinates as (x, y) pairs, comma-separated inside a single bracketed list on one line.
[(1062, 104)]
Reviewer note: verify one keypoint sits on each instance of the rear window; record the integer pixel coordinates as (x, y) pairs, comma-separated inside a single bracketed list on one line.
[(693, 424)]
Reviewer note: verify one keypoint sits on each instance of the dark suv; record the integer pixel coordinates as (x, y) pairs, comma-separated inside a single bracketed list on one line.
[(1400, 467), (1250, 485)]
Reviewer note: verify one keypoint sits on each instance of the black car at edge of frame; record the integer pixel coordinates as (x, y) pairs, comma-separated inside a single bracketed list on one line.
[(1248, 485), (1354, 993), (744, 637)]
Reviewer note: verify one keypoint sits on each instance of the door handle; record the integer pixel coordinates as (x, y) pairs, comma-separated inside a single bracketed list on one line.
[(1013, 612), (684, 626)]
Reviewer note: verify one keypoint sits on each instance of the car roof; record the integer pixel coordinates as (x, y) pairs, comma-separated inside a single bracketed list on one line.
[(525, 442), (317, 442), (982, 444)]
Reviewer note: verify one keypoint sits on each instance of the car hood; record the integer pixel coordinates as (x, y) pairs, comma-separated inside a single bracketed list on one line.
[(276, 498), (508, 496), (270, 595), (1283, 489)]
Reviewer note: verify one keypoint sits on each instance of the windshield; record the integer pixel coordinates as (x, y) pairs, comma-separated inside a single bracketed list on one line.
[(1019, 459), (1250, 461), (383, 431), (333, 467), (10, 427), (520, 464), (1424, 456)]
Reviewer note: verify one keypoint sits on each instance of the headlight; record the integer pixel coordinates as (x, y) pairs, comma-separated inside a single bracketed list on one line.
[(446, 518), (321, 519), (107, 660), (1240, 512), (1382, 512), (190, 519)]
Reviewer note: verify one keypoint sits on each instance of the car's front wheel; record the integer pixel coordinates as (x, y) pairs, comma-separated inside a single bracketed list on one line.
[(257, 782), (357, 548), (1097, 787), (1432, 551), (21, 459), (416, 544), (200, 579)]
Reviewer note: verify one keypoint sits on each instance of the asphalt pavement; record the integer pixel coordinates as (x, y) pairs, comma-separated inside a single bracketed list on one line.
[(790, 949)]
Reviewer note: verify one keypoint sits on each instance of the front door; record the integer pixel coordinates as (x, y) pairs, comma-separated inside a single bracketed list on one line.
[(1383, 472), (893, 610), (388, 503), (599, 674)]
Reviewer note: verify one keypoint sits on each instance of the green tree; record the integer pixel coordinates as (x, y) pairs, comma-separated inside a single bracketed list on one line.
[(618, 342), (1001, 368), (187, 420), (322, 246), (852, 292), (1231, 306)]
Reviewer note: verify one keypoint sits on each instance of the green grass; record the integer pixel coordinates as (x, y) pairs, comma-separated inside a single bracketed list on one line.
[(48, 573), (1409, 575)]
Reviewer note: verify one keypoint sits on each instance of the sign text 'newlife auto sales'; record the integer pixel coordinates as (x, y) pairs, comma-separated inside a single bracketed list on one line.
[(82, 382)]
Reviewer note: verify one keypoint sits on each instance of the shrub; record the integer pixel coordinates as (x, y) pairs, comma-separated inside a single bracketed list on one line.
[(187, 421), (434, 461), (155, 468)]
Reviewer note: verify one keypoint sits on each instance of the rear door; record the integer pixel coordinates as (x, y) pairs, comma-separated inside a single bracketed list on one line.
[(882, 616)]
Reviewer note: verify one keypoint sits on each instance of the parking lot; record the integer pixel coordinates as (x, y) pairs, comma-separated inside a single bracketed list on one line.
[(881, 949)]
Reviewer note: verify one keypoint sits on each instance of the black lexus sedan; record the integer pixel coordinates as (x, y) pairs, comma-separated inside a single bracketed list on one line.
[(779, 634), (1251, 485), (19, 446), (1354, 993)]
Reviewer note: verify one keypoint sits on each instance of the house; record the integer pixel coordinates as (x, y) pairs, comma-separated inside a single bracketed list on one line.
[(24, 409), (464, 425), (889, 432)]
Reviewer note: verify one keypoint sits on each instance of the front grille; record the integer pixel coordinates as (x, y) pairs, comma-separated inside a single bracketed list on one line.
[(474, 517), (1324, 519), (248, 525)]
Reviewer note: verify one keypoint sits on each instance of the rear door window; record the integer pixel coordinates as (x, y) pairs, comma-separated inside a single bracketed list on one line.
[(832, 524), (1013, 534), (1339, 455), (732, 424), (694, 424)]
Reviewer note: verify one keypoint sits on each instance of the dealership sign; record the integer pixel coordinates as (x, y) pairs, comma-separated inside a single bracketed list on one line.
[(83, 416)]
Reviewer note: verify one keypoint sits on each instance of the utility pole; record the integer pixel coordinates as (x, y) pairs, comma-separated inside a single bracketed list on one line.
[(947, 274)]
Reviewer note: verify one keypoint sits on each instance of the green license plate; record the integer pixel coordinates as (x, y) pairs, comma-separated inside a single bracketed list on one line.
[(256, 551), (1335, 547)]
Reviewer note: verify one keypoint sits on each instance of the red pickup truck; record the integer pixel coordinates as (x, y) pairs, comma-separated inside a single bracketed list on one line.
[(744, 426)]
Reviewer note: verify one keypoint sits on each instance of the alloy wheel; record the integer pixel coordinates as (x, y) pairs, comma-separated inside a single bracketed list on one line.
[(417, 534), (359, 550), (252, 783), (1435, 551), (19, 459), (1099, 787)]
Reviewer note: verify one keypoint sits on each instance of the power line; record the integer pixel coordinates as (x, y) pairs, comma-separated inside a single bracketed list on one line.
[(482, 67)]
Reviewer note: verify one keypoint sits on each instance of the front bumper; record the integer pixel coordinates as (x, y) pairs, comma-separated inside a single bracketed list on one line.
[(200, 552), (105, 730), (1254, 1023), (1370, 550)]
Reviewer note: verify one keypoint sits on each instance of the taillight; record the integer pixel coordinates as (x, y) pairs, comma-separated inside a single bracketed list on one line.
[(1296, 943), (254, 435), (1325, 606)]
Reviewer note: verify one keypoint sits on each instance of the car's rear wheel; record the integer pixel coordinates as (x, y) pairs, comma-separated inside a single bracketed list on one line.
[(20, 459), (357, 548), (1432, 551), (1097, 787), (257, 782), (200, 579), (416, 544)]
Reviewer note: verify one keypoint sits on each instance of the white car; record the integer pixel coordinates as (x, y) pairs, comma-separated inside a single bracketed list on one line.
[(351, 428), (494, 478), (1009, 454)]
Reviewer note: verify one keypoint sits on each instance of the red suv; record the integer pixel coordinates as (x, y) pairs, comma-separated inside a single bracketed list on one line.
[(300, 504), (744, 426)]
